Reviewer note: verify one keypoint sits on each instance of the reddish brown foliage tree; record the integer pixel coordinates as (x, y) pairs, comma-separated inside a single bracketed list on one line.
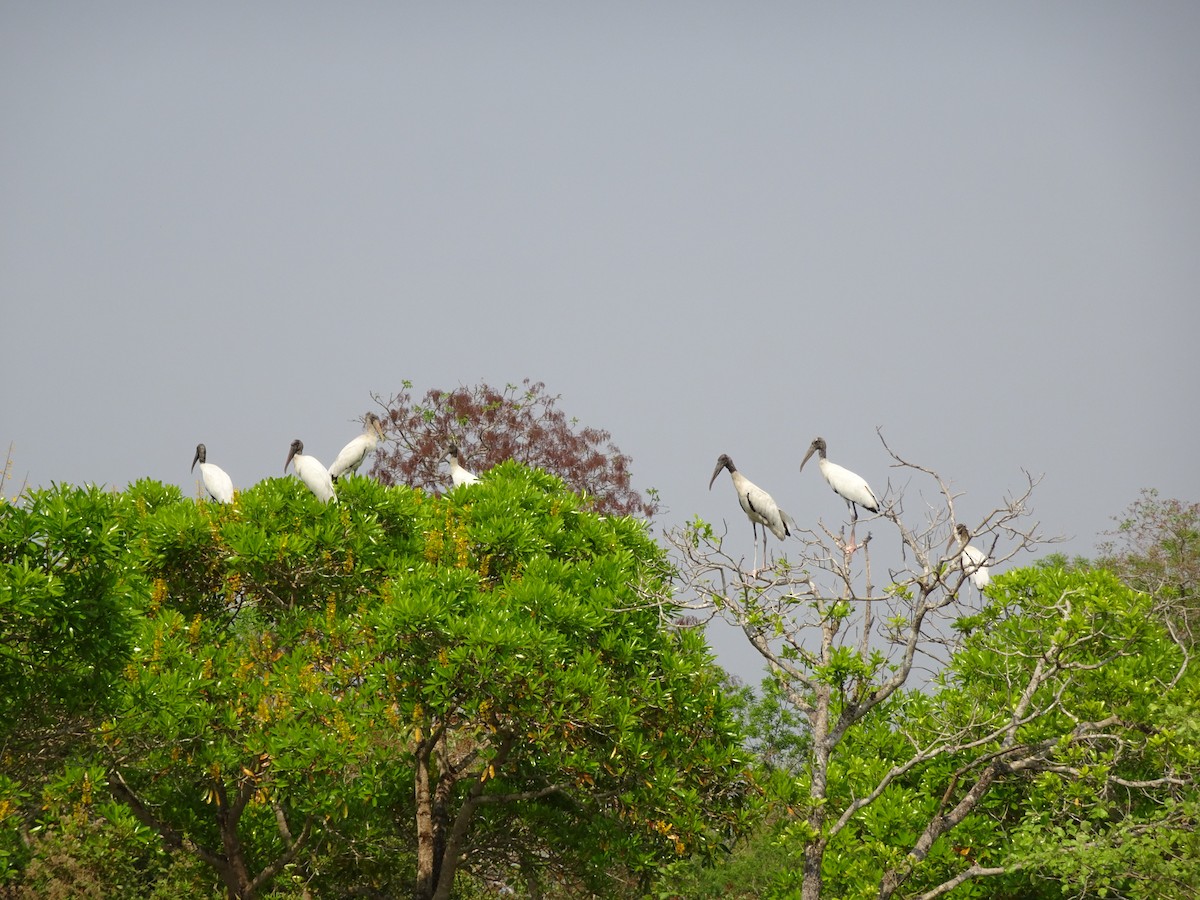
[(520, 422)]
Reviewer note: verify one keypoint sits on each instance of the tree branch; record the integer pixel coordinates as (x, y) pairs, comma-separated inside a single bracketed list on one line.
[(174, 839)]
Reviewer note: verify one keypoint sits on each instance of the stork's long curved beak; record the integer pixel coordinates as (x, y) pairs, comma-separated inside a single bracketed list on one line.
[(812, 448), (291, 453), (195, 459), (716, 472)]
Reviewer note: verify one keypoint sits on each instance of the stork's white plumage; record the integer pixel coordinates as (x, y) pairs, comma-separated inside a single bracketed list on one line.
[(314, 475), (458, 474), (216, 480), (850, 487), (356, 451), (756, 503), (972, 559)]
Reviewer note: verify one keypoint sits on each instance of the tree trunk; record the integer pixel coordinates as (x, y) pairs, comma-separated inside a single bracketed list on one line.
[(457, 837), (235, 872), (237, 878), (814, 848), (454, 845), (426, 858)]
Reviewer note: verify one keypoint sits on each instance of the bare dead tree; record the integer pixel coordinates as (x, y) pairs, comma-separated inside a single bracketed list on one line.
[(839, 646)]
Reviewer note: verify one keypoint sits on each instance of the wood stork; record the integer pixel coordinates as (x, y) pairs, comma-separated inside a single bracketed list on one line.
[(216, 481), (972, 559), (311, 472), (850, 487), (458, 474), (353, 454), (756, 503)]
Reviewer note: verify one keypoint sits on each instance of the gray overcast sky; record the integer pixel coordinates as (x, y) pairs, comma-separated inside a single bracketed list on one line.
[(710, 227)]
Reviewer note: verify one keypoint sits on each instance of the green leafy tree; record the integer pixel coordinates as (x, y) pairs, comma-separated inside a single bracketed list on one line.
[(758, 862), (67, 621), (774, 731), (1055, 754), (399, 692), (491, 425), (65, 625), (1058, 742), (555, 686)]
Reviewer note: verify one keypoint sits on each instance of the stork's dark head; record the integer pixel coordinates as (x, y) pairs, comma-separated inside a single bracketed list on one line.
[(297, 447), (200, 456), (723, 462), (374, 424), (817, 446), (961, 533)]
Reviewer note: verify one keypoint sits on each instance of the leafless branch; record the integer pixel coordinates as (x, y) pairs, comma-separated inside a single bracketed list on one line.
[(813, 605)]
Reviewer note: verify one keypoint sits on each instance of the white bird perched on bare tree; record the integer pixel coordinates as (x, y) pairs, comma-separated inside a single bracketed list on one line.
[(458, 474), (756, 503), (850, 487), (353, 454), (311, 472), (216, 481), (972, 559)]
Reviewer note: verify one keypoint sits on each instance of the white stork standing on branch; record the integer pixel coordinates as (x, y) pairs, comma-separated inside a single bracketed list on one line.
[(972, 559), (314, 475), (846, 484), (353, 454), (216, 480), (850, 487), (458, 475), (756, 503)]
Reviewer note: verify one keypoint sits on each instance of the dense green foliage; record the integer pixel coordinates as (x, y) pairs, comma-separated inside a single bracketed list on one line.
[(1057, 754), (67, 604), (363, 696), (402, 695), (1065, 698)]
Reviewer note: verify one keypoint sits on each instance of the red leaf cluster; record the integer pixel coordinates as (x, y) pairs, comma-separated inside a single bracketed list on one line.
[(521, 422)]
